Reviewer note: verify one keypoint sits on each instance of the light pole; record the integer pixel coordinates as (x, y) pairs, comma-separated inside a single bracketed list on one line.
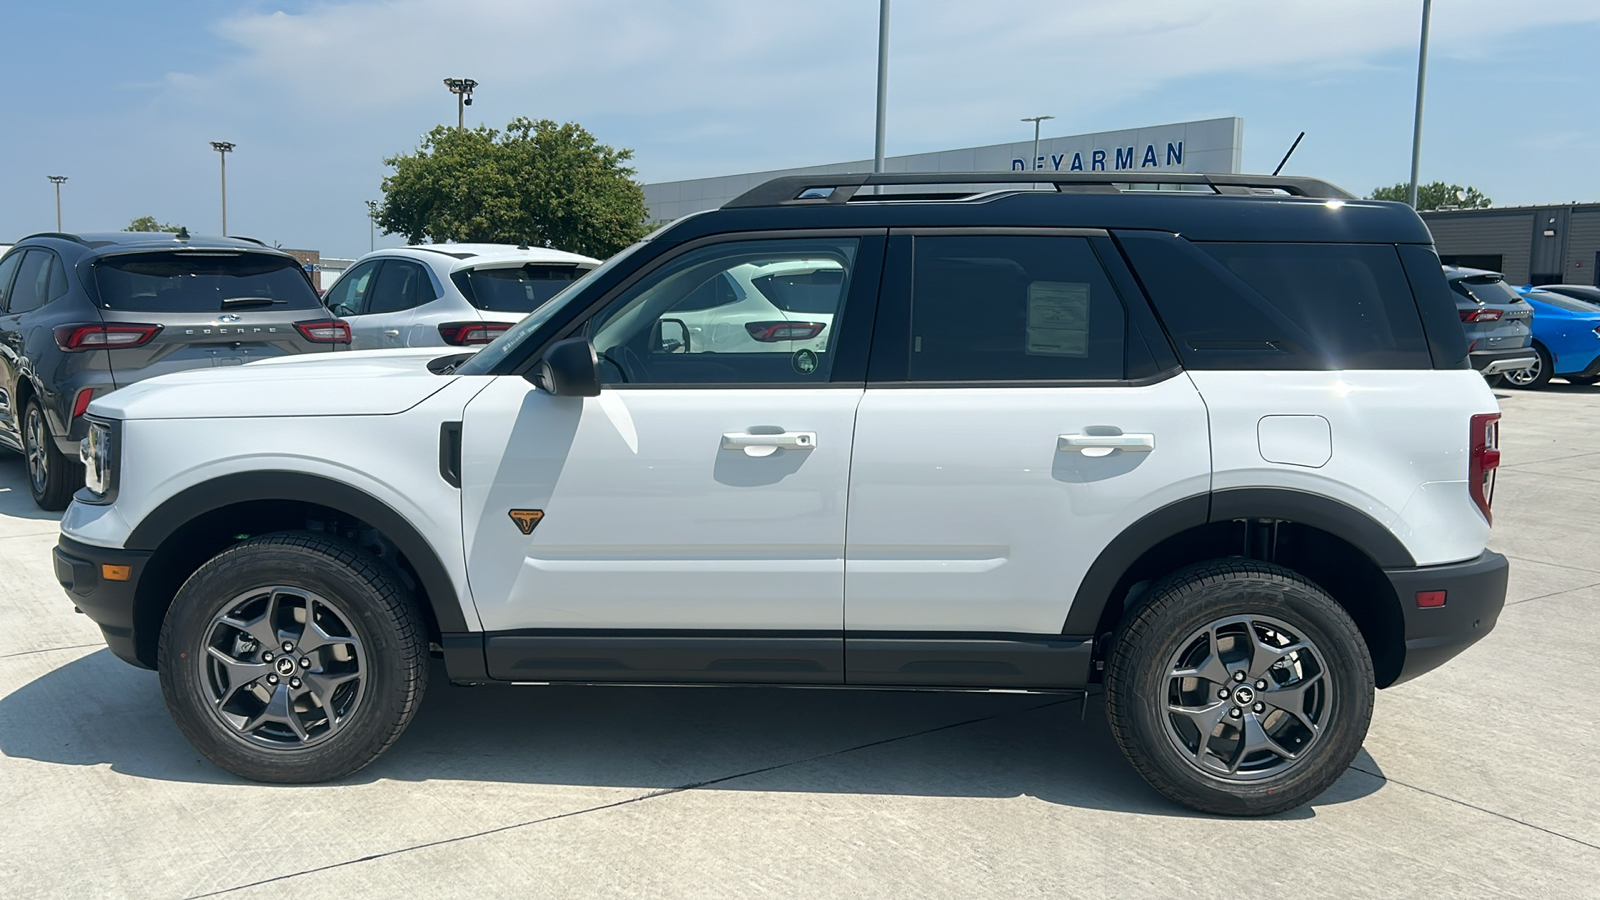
[(223, 148), (57, 180), (1036, 120), (372, 225), (1422, 76), (462, 88), (883, 84)]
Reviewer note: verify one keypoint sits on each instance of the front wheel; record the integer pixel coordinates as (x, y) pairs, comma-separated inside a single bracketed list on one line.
[(293, 658), (1239, 688), (1535, 376)]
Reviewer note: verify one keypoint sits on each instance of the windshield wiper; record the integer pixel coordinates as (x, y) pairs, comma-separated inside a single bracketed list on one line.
[(236, 302)]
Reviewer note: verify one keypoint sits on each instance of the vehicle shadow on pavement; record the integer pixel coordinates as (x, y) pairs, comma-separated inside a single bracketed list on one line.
[(97, 710), (15, 501)]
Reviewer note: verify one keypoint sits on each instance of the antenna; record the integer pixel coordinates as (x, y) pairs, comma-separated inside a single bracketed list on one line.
[(1289, 154)]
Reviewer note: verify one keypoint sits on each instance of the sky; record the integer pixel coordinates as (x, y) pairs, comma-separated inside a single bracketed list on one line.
[(124, 98)]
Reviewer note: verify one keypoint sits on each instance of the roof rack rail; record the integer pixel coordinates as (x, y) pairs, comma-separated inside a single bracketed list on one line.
[(60, 235), (808, 190)]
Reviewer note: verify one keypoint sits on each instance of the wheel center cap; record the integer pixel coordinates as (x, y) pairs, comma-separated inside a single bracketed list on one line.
[(285, 666), (1244, 695)]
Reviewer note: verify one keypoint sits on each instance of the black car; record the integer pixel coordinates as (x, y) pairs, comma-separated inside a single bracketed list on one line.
[(83, 315)]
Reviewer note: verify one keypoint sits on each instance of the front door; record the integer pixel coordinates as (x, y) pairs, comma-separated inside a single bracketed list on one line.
[(688, 523), (1015, 423)]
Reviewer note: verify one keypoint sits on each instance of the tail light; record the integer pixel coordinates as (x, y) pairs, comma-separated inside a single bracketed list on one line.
[(1480, 315), (461, 334), (103, 337), (325, 331), (1483, 460), (772, 332)]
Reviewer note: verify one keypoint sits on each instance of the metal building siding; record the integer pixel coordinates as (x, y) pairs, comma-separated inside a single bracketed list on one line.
[(1509, 234), (1583, 246)]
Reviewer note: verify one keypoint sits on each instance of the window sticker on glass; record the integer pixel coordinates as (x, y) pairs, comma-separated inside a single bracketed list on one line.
[(1058, 318)]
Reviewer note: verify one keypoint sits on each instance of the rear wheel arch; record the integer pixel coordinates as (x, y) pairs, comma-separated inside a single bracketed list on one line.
[(201, 521), (1339, 548)]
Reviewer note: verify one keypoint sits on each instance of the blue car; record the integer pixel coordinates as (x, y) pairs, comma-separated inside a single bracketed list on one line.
[(1566, 333)]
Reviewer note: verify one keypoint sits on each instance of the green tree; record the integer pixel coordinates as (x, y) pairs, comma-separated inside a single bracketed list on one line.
[(1433, 196), (537, 182), (149, 223)]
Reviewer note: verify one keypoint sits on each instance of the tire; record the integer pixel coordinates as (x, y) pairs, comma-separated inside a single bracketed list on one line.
[(1584, 380), (1213, 605), (315, 713), (52, 477), (1535, 376)]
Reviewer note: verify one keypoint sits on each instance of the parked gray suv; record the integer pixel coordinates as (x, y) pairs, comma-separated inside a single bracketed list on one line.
[(83, 315), (1498, 322)]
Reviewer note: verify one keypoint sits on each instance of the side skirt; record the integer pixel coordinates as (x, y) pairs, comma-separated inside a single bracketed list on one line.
[(816, 658)]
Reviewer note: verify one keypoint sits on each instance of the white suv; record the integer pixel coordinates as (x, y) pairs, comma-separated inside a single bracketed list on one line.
[(433, 295), (1220, 455)]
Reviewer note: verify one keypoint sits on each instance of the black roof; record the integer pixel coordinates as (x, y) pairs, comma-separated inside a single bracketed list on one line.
[(103, 242), (1202, 207)]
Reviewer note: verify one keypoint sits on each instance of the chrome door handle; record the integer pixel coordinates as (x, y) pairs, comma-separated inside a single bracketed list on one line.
[(1103, 444), (391, 332), (768, 444)]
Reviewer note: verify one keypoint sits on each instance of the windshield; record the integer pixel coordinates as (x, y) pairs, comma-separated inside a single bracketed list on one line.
[(1560, 302), (515, 289), (1488, 290), (501, 347), (202, 281)]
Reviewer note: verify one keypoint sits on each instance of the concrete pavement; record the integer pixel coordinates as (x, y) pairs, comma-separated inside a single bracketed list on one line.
[(1481, 779)]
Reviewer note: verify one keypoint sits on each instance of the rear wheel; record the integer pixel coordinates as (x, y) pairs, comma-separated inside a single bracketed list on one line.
[(1239, 688), (1535, 376), (53, 477), (293, 658)]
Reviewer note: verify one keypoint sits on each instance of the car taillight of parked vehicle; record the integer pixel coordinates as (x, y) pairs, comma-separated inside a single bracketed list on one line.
[(1483, 460), (461, 334), (771, 332), (1480, 315), (73, 338), (325, 331)]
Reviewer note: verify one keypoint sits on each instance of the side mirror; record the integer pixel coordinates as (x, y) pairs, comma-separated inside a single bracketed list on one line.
[(569, 368), (672, 336)]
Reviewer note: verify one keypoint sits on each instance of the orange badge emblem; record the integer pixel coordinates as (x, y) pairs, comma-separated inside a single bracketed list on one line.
[(526, 519)]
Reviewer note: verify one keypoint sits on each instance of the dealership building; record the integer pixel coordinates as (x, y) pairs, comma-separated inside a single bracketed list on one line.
[(1530, 244), (1211, 145)]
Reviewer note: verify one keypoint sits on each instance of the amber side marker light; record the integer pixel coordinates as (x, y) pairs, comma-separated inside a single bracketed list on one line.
[(116, 573), (1429, 599)]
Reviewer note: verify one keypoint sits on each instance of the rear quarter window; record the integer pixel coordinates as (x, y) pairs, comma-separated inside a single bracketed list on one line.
[(202, 281), (1282, 306)]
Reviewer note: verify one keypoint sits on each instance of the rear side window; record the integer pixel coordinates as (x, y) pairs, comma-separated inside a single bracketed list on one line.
[(401, 285), (519, 289), (1013, 308), (202, 282), (1282, 306)]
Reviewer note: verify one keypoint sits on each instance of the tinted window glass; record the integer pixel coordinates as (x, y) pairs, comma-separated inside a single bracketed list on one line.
[(1485, 289), (1566, 303), (647, 336), (1002, 308), (32, 285), (8, 268), (1281, 306), (803, 287), (202, 281), (718, 290), (401, 285), (348, 297), (1354, 298), (58, 278), (520, 289)]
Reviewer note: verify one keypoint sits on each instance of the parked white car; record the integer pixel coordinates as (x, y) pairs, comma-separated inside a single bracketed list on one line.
[(447, 294), (783, 306)]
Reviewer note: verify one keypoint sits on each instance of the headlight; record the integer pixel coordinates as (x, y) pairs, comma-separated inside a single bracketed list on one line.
[(99, 454)]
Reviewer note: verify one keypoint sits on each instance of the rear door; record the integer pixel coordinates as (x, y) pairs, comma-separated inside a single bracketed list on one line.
[(401, 287), (1015, 421), (204, 308)]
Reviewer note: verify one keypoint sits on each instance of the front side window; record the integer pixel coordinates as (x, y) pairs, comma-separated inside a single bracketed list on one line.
[(202, 281), (349, 296), (702, 319), (1013, 308)]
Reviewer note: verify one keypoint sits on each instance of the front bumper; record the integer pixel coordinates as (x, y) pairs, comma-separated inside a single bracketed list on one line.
[(110, 604), (1498, 362), (1475, 592)]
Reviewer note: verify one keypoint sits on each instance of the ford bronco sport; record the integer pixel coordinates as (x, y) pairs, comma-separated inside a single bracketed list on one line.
[(1216, 448)]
